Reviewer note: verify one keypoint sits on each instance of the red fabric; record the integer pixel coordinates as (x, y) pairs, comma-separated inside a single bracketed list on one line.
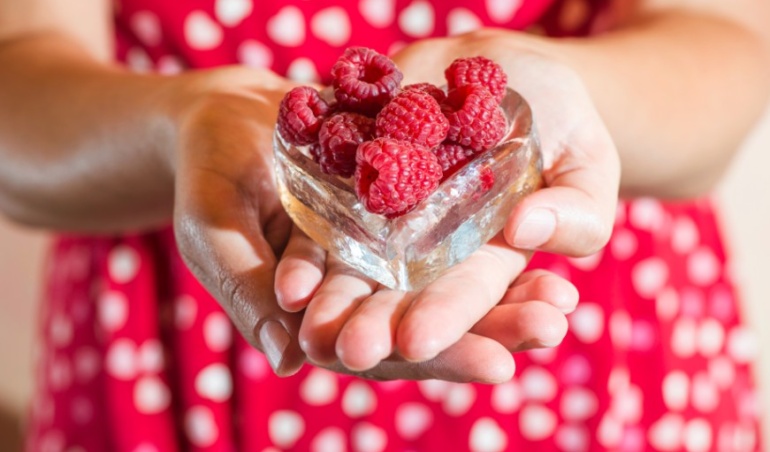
[(137, 357)]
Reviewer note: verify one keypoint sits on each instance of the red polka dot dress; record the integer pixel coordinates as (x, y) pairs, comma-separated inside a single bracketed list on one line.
[(137, 357)]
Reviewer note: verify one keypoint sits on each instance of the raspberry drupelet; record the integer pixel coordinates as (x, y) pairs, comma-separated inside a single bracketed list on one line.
[(452, 157), (477, 71), (364, 80), (339, 138), (300, 115), (413, 116), (393, 176)]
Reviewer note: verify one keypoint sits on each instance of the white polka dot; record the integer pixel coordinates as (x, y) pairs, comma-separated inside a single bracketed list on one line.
[(60, 373), (215, 383), (705, 394), (587, 322), (368, 437), (572, 438), (697, 435), (544, 355), (253, 364), (358, 400), (285, 427), (538, 384), (287, 28), (82, 410), (112, 310), (151, 395), (123, 264), (578, 404), (643, 335), (146, 447), (666, 433), (575, 370), (502, 11), (742, 345), (722, 304), (138, 60), (61, 331), (703, 267), (711, 337), (149, 357), (255, 54), (319, 387), (722, 372), (302, 70), (379, 13), (459, 399), (170, 65), (627, 404), (87, 364), (619, 380), (487, 436), (748, 404), (620, 329), (330, 439), (121, 360), (646, 214), (745, 437), (146, 27), (416, 20), (331, 25), (232, 12), (587, 263), (412, 420), (684, 235), (201, 426), (217, 332), (684, 338), (506, 397), (201, 32), (623, 244), (434, 390), (52, 441), (536, 422), (667, 304), (610, 431), (185, 312), (633, 439), (462, 20), (649, 276), (676, 386)]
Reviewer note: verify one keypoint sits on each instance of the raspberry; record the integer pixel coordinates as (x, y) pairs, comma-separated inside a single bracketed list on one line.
[(413, 116), (477, 71), (300, 115), (393, 176), (364, 80), (475, 119), (452, 157), (339, 138), (436, 92)]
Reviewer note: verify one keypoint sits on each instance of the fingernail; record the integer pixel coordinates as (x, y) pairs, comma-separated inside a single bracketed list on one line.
[(275, 339), (536, 229)]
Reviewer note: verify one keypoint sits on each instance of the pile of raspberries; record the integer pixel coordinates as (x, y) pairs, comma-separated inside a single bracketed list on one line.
[(398, 142)]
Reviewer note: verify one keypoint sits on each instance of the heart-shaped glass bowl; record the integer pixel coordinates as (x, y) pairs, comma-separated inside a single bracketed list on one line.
[(410, 251)]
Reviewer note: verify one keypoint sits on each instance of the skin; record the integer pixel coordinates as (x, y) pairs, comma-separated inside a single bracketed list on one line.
[(122, 151)]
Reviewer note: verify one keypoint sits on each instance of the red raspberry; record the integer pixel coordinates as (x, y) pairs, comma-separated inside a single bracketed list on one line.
[(477, 71), (436, 92), (452, 157), (413, 116), (475, 119), (364, 80), (339, 138), (300, 115), (393, 176)]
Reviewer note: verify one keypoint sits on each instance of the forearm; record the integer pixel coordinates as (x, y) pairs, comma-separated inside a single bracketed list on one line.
[(678, 92), (84, 145)]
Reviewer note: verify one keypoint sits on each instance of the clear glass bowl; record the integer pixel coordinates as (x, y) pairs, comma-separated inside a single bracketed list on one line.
[(408, 252)]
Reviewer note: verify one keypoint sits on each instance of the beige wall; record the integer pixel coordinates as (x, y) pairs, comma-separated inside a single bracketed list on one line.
[(744, 194)]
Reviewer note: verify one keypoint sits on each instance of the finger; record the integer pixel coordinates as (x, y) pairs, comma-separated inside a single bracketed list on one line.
[(452, 304), (340, 294), (220, 238), (368, 336), (575, 213), (472, 358), (544, 286), (525, 325), (300, 271)]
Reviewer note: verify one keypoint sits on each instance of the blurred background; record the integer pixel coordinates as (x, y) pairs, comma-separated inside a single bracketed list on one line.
[(743, 198)]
